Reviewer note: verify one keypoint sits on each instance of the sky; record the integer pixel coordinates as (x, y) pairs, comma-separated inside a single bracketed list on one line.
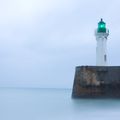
[(42, 41)]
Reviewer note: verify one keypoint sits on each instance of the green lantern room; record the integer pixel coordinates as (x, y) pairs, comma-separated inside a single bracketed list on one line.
[(101, 26)]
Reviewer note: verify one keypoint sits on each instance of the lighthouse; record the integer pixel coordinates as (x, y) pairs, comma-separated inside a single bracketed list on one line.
[(101, 34), (100, 81)]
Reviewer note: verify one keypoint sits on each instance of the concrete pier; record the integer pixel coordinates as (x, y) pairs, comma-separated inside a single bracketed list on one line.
[(96, 82)]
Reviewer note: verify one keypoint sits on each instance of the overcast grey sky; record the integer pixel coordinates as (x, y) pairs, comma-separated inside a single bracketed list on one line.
[(41, 41)]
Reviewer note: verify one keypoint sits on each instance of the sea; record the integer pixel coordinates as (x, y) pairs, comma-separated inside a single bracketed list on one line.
[(54, 104)]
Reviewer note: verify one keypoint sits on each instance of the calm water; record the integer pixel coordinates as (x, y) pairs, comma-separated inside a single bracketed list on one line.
[(54, 104)]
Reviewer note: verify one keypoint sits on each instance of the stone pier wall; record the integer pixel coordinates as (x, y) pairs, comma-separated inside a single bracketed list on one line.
[(96, 82)]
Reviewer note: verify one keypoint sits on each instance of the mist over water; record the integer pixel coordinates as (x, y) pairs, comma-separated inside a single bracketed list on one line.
[(54, 104)]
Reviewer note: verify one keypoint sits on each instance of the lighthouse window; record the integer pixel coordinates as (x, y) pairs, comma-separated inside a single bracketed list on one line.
[(105, 57)]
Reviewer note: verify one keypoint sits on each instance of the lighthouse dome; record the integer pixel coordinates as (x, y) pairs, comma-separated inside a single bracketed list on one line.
[(101, 26)]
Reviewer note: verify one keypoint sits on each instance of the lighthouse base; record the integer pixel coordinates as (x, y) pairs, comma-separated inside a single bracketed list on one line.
[(96, 82)]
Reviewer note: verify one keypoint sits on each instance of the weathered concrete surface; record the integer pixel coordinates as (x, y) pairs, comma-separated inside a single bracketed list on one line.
[(96, 82)]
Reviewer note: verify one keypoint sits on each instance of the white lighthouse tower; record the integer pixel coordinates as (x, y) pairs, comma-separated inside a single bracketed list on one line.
[(101, 34)]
